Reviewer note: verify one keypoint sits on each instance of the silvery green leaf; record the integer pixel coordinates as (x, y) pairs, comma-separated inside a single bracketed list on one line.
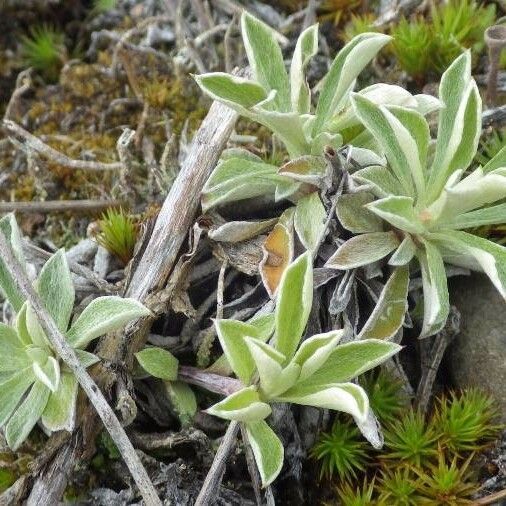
[(60, 410), (237, 231), (12, 353), (486, 216), (21, 327), (435, 290), (491, 257), (183, 400), (265, 59), (242, 406), (350, 360), (56, 290), (286, 190), (475, 190), (324, 139), (267, 449), (314, 352), (242, 153), (427, 104), (399, 212), (86, 358), (346, 397), (26, 415), (388, 315), (48, 373), (379, 181), (363, 250), (354, 217), (499, 160), (237, 179), (345, 68), (9, 228), (459, 124), (293, 304), (264, 324), (232, 334), (309, 220), (238, 93), (102, 315), (403, 135), (310, 169), (35, 330), (274, 379), (404, 253), (305, 49), (158, 362), (12, 391)]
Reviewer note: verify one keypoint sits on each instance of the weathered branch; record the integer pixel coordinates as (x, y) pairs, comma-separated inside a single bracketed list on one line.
[(69, 357), (58, 206)]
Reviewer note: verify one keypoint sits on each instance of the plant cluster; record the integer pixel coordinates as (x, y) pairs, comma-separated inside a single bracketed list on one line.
[(34, 384), (422, 461)]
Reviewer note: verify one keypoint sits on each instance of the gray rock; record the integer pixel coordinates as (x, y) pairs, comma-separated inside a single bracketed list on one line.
[(478, 354)]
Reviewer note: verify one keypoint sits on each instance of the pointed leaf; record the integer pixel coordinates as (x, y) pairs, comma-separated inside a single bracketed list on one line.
[(267, 449), (293, 304), (399, 212), (354, 216), (265, 58), (388, 315), (350, 360), (242, 406), (60, 410), (306, 47), (238, 231), (498, 161), (12, 354), (363, 250), (158, 362), (487, 216), (309, 220), (380, 181), (102, 315), (305, 169), (9, 228), (21, 327), (345, 68), (183, 400), (56, 290), (48, 373), (404, 253), (12, 391), (26, 416)]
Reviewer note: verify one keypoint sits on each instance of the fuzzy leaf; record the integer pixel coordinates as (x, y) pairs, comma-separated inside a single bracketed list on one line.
[(265, 59), (238, 93), (404, 253), (26, 416), (399, 212), (309, 220), (35, 330), (102, 315), (363, 250), (60, 410), (21, 327), (487, 216), (268, 361), (345, 68), (48, 373), (9, 228), (242, 406), (306, 47), (12, 390), (459, 124), (238, 179), (498, 161), (237, 231), (354, 216), (350, 360), (305, 169), (56, 290), (435, 290), (158, 362), (267, 449), (314, 352), (346, 397), (86, 358), (183, 400), (12, 354), (278, 253), (388, 315), (293, 304), (380, 181)]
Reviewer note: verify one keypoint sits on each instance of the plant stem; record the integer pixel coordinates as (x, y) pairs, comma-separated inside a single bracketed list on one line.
[(67, 354)]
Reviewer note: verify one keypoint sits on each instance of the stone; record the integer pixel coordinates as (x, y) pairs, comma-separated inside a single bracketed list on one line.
[(477, 357)]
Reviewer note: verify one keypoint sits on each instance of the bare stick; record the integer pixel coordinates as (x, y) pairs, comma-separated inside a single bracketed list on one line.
[(23, 84), (43, 149), (252, 467), (220, 290), (211, 486), (491, 499), (69, 357), (211, 382), (58, 206)]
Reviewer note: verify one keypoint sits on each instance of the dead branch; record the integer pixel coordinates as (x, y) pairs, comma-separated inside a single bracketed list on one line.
[(58, 206)]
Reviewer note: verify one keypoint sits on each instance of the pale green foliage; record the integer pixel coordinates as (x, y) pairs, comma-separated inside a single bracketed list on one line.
[(35, 384), (314, 372), (425, 205)]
